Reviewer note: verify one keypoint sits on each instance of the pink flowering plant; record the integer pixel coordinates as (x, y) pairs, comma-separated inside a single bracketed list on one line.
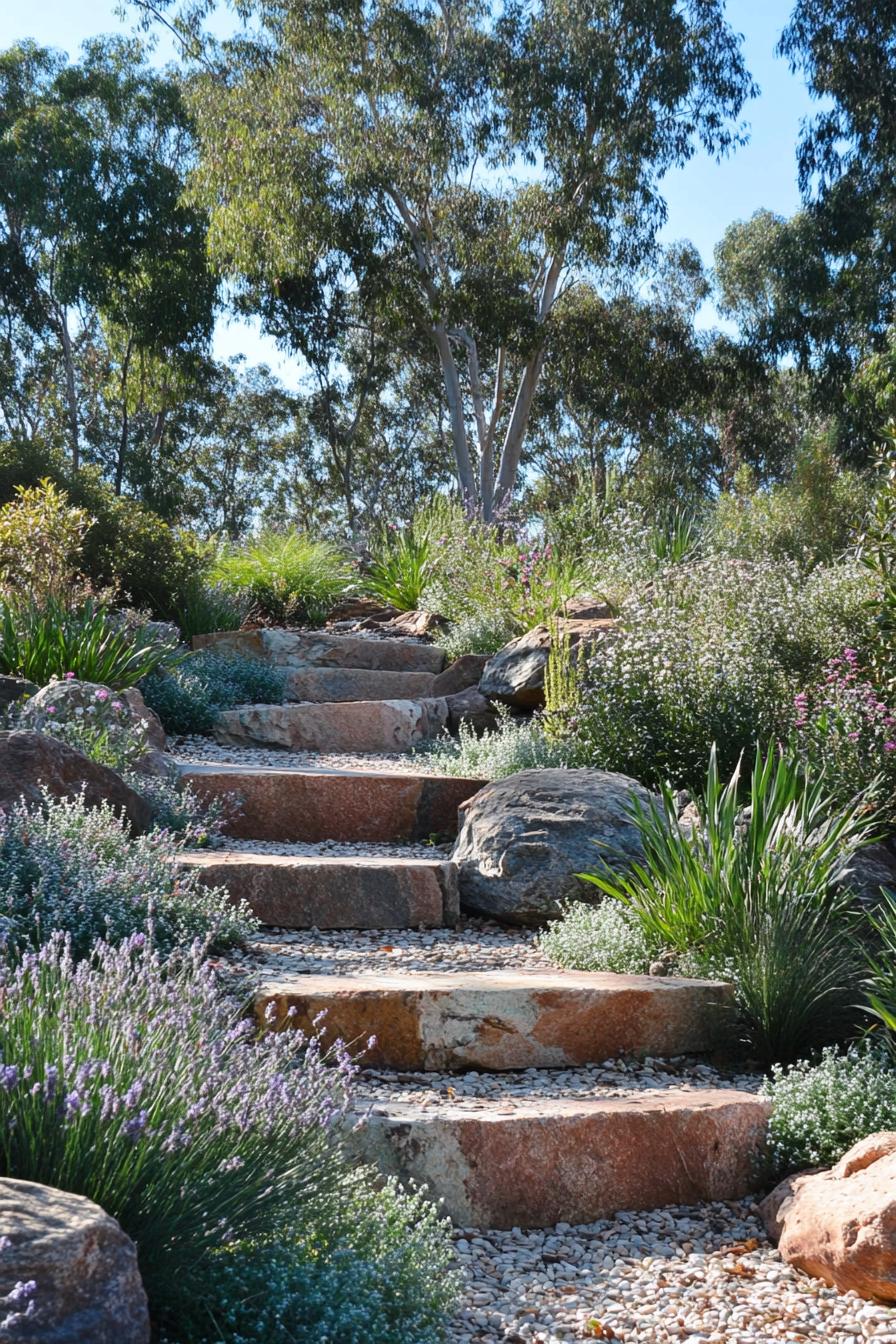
[(93, 719), (847, 730)]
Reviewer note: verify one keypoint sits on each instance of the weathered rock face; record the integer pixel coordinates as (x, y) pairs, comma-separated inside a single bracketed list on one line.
[(13, 689), (87, 1284), (523, 839), (470, 707), (322, 648), (361, 725), (30, 761), (463, 673), (408, 624), (515, 674), (534, 1162), (840, 1225)]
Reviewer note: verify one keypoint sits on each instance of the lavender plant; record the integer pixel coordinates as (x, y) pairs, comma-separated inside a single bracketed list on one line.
[(139, 1085), (78, 869)]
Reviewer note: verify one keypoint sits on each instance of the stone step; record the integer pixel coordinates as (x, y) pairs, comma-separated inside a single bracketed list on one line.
[(316, 648), (323, 892), (322, 804), (356, 726), (330, 685), (501, 1020), (537, 1161)]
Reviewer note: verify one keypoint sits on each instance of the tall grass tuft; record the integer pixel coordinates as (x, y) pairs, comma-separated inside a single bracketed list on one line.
[(289, 578), (53, 640), (758, 894), (402, 566)]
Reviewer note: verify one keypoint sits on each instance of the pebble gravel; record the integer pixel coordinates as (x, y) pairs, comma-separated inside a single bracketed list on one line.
[(476, 1091), (339, 849), (203, 751), (694, 1275), (476, 945)]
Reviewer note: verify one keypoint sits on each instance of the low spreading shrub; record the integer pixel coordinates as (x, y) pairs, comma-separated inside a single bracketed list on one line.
[(208, 1135), (188, 697), (384, 1275), (78, 869), (820, 1109), (482, 633), (711, 654), (603, 937), (52, 640), (92, 719), (757, 896), (290, 579), (517, 744)]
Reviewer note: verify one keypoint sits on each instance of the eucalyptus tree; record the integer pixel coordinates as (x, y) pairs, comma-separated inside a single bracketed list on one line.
[(453, 165), (95, 242)]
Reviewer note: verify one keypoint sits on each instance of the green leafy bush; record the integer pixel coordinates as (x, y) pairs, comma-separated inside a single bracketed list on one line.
[(127, 548), (384, 1275), (188, 697), (604, 937), (53, 640), (814, 518), (78, 869), (41, 538), (758, 896), (136, 1083), (401, 566), (820, 1109), (289, 578)]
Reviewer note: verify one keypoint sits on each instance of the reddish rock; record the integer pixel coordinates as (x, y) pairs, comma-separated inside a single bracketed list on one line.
[(500, 1020), (87, 1284), (32, 762), (463, 673), (360, 609), (329, 685), (355, 726), (536, 1162), (321, 648), (334, 804), (515, 674), (840, 1225), (299, 892)]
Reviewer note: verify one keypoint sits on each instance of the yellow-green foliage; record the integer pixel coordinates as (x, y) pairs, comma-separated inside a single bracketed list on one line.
[(41, 538)]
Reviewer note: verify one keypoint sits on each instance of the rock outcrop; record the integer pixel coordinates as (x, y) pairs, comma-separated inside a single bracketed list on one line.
[(524, 838)]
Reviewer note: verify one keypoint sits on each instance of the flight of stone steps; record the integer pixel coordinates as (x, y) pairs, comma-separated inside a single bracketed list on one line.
[(520, 1155)]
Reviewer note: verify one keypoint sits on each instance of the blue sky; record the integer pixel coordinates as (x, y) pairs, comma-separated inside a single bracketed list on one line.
[(703, 198)]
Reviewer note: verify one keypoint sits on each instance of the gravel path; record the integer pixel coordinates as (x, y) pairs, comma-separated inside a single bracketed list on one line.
[(339, 849), (486, 1091), (701, 1275), (476, 946), (203, 751)]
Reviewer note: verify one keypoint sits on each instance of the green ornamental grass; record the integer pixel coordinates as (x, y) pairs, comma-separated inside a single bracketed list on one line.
[(290, 579)]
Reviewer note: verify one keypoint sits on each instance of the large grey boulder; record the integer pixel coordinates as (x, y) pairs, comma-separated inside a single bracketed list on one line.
[(33, 762), (515, 674), (523, 839), (87, 1286)]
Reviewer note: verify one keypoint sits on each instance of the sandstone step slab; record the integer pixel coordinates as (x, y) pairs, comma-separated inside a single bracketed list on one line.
[(574, 1160), (316, 648), (500, 1020), (300, 892), (357, 726), (322, 804), (330, 685)]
